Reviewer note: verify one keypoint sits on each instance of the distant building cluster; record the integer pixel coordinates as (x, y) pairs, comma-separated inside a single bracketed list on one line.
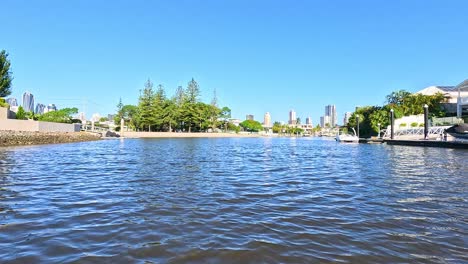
[(330, 117), (29, 106)]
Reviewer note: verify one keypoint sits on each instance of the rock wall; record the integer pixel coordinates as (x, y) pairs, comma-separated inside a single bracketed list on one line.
[(18, 138)]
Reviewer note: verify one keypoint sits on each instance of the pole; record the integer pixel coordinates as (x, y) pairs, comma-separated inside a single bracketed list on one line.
[(122, 124), (426, 121), (357, 124), (392, 124), (378, 136)]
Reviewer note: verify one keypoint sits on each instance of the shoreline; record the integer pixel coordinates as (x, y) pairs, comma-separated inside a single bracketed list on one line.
[(186, 135), (10, 138)]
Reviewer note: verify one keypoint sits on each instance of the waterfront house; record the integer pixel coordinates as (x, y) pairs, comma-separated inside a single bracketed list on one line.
[(462, 99)]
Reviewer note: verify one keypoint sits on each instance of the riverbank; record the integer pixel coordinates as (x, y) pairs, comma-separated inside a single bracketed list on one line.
[(22, 138), (185, 135)]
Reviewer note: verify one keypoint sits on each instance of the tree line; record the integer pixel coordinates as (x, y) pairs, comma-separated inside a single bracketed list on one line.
[(403, 103), (182, 112)]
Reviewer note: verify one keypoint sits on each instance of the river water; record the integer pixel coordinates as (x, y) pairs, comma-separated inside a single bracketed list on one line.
[(239, 200)]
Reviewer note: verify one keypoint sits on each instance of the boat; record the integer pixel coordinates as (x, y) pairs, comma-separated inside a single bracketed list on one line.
[(458, 131), (347, 138)]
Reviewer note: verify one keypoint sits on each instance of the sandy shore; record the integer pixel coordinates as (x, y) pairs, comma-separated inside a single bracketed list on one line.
[(20, 138), (185, 135)]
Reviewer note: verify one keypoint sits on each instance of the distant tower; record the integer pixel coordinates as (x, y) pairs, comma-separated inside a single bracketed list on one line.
[(267, 120), (249, 117), (309, 121), (346, 118), (330, 110), (292, 117), (324, 120), (28, 102), (40, 109), (12, 101)]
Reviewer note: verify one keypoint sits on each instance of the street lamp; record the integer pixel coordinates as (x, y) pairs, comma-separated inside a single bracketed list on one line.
[(426, 121)]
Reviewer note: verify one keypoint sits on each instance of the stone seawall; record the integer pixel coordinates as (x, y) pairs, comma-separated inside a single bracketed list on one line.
[(19, 138)]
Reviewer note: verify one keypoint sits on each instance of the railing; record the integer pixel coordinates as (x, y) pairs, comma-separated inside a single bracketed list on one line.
[(437, 130), (464, 100)]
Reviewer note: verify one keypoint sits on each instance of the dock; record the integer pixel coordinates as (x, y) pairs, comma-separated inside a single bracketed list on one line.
[(428, 143)]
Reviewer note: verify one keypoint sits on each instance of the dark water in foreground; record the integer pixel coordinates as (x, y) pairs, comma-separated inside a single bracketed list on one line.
[(232, 201)]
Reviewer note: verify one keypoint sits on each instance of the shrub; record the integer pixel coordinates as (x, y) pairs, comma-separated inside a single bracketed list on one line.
[(3, 103), (421, 125), (403, 125), (21, 114), (414, 124)]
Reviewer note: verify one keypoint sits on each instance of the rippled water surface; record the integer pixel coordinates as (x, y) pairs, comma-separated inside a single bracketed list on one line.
[(232, 201)]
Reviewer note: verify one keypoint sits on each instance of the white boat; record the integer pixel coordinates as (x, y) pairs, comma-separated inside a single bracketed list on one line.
[(347, 138)]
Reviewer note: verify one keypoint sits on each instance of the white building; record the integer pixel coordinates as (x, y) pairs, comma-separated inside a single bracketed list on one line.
[(292, 117), (96, 117), (330, 110), (346, 118), (462, 99), (324, 120), (450, 92), (267, 120)]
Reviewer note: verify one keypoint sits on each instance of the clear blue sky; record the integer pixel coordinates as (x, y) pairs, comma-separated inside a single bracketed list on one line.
[(259, 55)]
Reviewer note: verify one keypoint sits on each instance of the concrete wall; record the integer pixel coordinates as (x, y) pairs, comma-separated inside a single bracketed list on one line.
[(3, 113), (37, 126)]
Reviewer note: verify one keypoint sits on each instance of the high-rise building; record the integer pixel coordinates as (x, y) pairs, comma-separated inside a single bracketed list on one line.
[(292, 117), (346, 118), (267, 120), (12, 101), (324, 121), (330, 110), (309, 121), (28, 102), (50, 108), (40, 109), (249, 117)]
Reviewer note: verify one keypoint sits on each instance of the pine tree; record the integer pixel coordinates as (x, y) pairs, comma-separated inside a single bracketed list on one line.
[(193, 92), (146, 106), (5, 75)]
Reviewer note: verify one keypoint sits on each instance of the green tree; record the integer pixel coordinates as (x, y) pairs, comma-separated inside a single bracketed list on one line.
[(398, 97), (21, 114), (169, 114), (146, 106), (5, 75), (277, 128), (130, 115), (192, 92), (59, 116), (225, 115), (251, 126)]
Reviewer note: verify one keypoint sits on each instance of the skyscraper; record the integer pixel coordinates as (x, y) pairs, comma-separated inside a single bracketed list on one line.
[(40, 109), (267, 120), (330, 110), (346, 118), (292, 117), (324, 121), (28, 102), (249, 117), (12, 101), (309, 121), (50, 108)]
